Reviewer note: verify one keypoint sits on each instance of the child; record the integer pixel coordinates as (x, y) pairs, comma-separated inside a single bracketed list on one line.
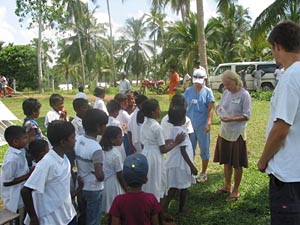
[(154, 147), (134, 128), (135, 207), (81, 93), (46, 193), (131, 103), (89, 160), (123, 117), (99, 93), (113, 108), (38, 149), (114, 183), (57, 112), (80, 106), (31, 109), (14, 169), (179, 162)]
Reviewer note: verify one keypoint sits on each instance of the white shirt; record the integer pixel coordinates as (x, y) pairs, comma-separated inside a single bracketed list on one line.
[(81, 95), (167, 127), (14, 165), (99, 104), (124, 86), (112, 121), (285, 105), (51, 116), (279, 73), (77, 123), (123, 117), (134, 128), (50, 181)]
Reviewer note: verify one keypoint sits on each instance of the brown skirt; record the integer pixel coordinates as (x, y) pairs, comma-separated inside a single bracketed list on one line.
[(231, 152)]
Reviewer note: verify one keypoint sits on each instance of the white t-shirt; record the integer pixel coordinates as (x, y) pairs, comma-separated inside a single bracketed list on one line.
[(51, 116), (88, 152), (77, 123), (99, 104), (50, 181), (14, 165), (134, 128), (124, 86), (123, 118), (167, 127), (285, 105), (279, 73), (81, 95)]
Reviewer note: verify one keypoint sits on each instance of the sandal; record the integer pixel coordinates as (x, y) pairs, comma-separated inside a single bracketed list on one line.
[(232, 198), (223, 191)]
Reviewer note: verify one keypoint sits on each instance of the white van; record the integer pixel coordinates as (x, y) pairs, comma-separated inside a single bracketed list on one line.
[(267, 81)]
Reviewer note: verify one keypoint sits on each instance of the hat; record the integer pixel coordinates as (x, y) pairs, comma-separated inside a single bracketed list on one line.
[(135, 169), (199, 76)]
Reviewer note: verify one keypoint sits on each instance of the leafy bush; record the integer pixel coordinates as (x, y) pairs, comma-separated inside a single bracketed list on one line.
[(262, 95)]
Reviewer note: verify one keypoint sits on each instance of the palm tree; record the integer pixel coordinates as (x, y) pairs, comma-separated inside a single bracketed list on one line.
[(279, 10), (137, 51)]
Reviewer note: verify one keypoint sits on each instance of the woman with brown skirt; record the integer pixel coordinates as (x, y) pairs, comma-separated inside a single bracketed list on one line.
[(231, 150)]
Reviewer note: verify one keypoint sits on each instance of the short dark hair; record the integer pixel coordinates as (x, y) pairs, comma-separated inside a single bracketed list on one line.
[(113, 106), (120, 97), (13, 132), (111, 132), (30, 106), (178, 100), (36, 147), (94, 118), (176, 115), (59, 130), (99, 91), (54, 98), (79, 102), (139, 99), (287, 34), (149, 106), (80, 88), (173, 66)]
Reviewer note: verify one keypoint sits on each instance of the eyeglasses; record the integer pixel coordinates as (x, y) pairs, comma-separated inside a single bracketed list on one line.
[(198, 77)]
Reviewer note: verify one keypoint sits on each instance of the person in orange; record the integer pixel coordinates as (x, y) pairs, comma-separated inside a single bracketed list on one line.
[(174, 82)]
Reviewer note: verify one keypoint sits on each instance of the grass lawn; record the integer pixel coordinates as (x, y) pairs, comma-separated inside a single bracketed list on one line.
[(208, 207)]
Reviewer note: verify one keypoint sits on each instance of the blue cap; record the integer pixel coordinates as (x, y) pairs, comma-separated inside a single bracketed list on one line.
[(135, 169)]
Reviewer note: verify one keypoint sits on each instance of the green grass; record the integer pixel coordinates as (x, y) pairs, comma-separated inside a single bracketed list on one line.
[(208, 207)]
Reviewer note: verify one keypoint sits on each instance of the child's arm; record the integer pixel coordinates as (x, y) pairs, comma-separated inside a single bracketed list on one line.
[(132, 148), (115, 220), (28, 202), (188, 161), (121, 180), (98, 171), (171, 144), (18, 180), (79, 188), (154, 219)]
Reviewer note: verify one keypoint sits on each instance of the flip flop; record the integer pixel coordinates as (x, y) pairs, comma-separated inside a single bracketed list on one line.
[(222, 191), (233, 198)]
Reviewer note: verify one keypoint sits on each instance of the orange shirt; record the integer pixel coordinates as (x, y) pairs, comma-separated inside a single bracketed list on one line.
[(174, 80)]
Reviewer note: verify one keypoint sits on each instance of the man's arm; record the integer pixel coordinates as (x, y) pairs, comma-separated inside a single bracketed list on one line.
[(209, 116), (275, 139), (28, 202)]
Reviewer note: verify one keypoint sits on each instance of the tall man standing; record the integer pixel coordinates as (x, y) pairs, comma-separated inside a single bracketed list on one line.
[(124, 84), (281, 156)]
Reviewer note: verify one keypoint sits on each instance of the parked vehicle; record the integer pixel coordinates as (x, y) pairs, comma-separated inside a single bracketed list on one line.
[(155, 86), (267, 81)]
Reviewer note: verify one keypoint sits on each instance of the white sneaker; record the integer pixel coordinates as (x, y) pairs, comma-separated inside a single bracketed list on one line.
[(202, 178)]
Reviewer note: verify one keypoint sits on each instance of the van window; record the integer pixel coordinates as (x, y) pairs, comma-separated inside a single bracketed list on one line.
[(268, 68), (222, 69), (239, 68)]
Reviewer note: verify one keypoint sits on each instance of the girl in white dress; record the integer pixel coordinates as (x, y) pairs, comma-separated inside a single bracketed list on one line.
[(179, 162), (154, 147), (114, 183)]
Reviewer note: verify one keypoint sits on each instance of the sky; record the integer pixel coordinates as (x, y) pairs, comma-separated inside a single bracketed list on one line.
[(11, 31)]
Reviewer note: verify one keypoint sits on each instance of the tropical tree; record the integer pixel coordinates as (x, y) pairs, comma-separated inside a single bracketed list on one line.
[(137, 51), (279, 10)]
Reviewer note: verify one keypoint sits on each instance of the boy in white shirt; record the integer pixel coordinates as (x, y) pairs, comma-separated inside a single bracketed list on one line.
[(46, 193), (57, 112), (14, 169)]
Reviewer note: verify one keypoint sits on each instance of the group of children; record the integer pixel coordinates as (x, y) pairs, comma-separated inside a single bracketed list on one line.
[(110, 156)]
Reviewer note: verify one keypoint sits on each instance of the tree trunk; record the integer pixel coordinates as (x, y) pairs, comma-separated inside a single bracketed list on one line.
[(39, 51), (112, 45), (201, 36)]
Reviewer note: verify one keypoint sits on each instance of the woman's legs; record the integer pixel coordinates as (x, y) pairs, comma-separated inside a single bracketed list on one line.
[(238, 172), (228, 174)]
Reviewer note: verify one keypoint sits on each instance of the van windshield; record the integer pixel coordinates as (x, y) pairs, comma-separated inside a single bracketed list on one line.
[(268, 68), (222, 69)]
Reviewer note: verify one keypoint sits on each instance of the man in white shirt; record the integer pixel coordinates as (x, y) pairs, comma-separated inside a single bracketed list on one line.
[(124, 84), (280, 157)]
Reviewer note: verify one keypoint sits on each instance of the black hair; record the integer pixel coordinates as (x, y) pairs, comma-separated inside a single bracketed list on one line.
[(54, 98), (139, 99), (178, 100), (176, 115), (13, 132), (120, 97), (80, 88), (99, 91), (79, 102), (149, 106), (59, 130), (287, 34), (94, 118), (135, 93), (112, 106), (173, 66), (111, 132), (30, 106), (36, 147)]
